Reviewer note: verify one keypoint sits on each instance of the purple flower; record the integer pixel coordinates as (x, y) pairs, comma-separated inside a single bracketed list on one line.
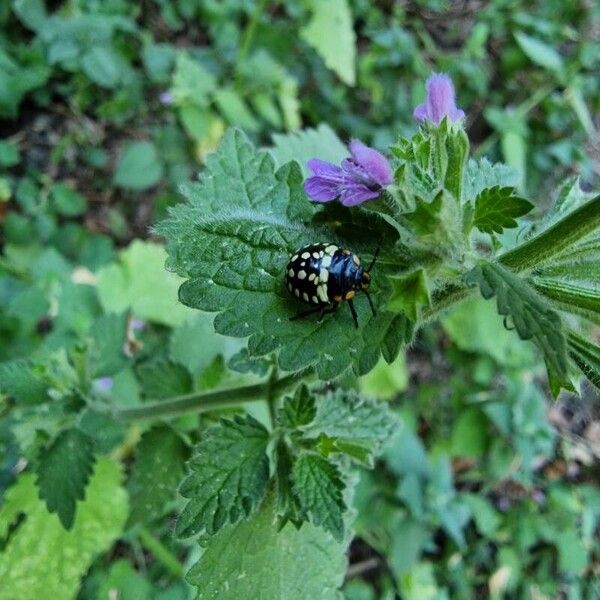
[(103, 384), (165, 98), (440, 101), (361, 176), (137, 324)]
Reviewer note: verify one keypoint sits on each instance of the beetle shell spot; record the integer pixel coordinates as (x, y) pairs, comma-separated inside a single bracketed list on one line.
[(302, 274)]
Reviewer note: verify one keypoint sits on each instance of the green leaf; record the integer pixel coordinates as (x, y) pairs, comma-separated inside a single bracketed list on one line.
[(62, 557), (482, 174), (9, 154), (194, 343), (235, 110), (252, 556), (103, 66), (158, 468), (348, 415), (67, 201), (19, 380), (410, 293), (139, 282), (139, 167), (318, 486), (330, 32), (475, 326), (457, 149), (485, 516), (192, 83), (386, 381), (64, 469), (32, 13), (586, 356), (583, 300), (299, 410), (532, 318), (539, 52), (497, 208), (233, 241), (108, 335), (163, 379), (561, 238), (322, 143), (125, 583), (230, 470)]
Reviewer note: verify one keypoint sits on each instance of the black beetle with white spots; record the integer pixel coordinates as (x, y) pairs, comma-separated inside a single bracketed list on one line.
[(325, 275)]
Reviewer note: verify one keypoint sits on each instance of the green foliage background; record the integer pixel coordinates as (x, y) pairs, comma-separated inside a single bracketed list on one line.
[(106, 109)]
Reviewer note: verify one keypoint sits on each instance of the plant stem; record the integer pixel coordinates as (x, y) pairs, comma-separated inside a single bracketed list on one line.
[(203, 401), (574, 227), (249, 37), (160, 552), (271, 395)]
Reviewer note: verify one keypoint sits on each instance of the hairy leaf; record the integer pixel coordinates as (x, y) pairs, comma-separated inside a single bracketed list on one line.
[(64, 469), (497, 208), (108, 335), (583, 300), (158, 468), (233, 241), (586, 356), (230, 470), (162, 379), (410, 293), (483, 174), (61, 557), (532, 317), (253, 560), (19, 380), (330, 32), (348, 415), (318, 486), (299, 410)]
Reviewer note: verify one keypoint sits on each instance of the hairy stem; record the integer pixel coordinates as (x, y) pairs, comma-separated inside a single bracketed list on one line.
[(204, 401), (444, 299), (574, 227), (272, 395)]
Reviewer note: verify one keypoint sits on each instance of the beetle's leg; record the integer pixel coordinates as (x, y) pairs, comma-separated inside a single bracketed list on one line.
[(353, 311), (327, 310), (370, 303)]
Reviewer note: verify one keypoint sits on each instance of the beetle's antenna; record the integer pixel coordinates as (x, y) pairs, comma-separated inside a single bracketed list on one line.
[(368, 269)]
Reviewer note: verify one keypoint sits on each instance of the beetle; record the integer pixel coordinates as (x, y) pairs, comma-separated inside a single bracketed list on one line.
[(325, 275)]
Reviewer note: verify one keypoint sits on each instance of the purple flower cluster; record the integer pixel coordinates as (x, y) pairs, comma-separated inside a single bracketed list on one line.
[(366, 172), (361, 177)]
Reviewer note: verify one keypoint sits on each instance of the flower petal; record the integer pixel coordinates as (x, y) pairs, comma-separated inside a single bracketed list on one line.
[(420, 113), (321, 189), (440, 101), (373, 162), (325, 169), (357, 193)]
